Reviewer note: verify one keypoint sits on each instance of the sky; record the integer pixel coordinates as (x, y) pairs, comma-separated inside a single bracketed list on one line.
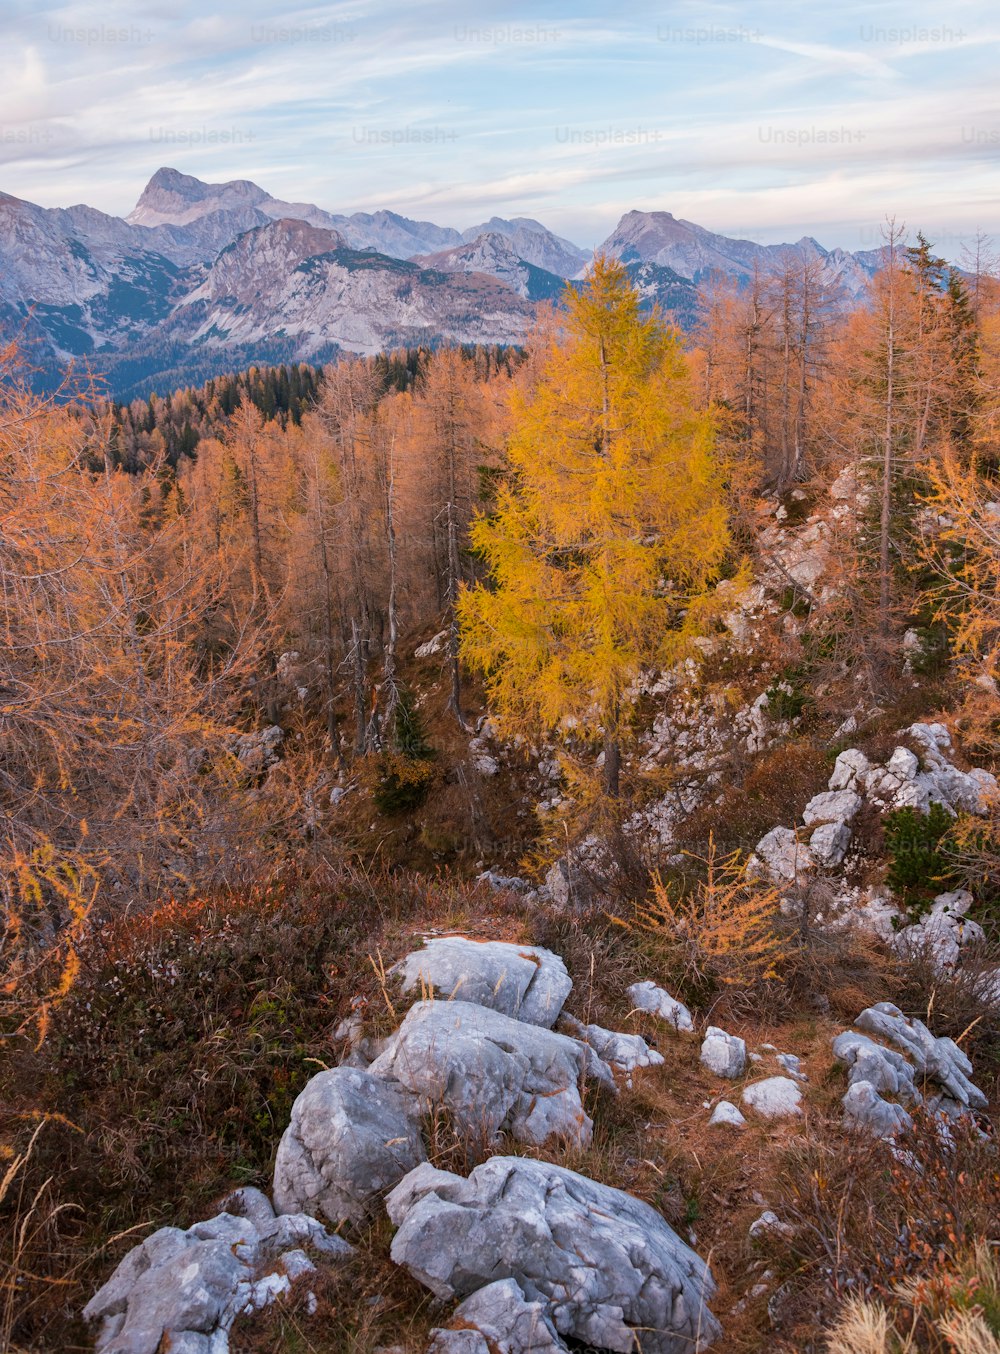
[(767, 121)]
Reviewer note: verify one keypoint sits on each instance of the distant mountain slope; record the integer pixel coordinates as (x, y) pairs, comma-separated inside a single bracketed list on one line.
[(290, 280), (201, 277), (694, 252), (533, 243), (494, 255)]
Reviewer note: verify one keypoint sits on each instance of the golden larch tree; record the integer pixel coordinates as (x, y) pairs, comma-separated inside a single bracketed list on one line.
[(609, 532)]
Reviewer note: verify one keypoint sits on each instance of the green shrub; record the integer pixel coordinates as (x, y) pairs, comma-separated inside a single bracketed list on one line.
[(920, 863), (405, 771)]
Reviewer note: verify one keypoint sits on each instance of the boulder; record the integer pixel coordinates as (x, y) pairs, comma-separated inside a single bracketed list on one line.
[(657, 1002), (881, 1067), (184, 1289), (522, 981), (490, 1072), (502, 1321), (941, 933), (774, 1098), (724, 1054), (608, 1269), (828, 844), (782, 857), (849, 770), (833, 806), (937, 1059), (625, 1052), (726, 1113), (866, 1111), (351, 1137)]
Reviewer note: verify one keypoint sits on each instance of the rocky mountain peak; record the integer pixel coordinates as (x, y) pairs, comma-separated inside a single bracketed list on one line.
[(176, 198)]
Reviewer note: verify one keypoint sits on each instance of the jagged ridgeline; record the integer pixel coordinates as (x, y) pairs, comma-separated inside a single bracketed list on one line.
[(203, 278)]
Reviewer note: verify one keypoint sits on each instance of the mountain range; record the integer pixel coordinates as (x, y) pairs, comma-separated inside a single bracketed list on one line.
[(201, 278)]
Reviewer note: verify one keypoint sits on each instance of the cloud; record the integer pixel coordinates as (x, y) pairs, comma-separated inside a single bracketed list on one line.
[(795, 120)]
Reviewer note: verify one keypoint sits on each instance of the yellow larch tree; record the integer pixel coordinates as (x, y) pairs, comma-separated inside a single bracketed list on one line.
[(609, 532)]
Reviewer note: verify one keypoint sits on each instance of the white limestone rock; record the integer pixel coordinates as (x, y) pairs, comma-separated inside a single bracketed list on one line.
[(498, 1319), (624, 1052), (868, 1112), (774, 1098), (849, 770), (525, 982), (937, 1059), (726, 1113), (882, 1068), (184, 1289), (832, 806), (828, 844), (724, 1054), (657, 1002), (351, 1137), (490, 1072), (607, 1267), (782, 856)]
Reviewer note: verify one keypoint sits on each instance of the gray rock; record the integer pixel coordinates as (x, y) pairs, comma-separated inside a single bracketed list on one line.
[(774, 1098), (782, 857), (608, 1268), (941, 932), (792, 1065), (351, 1138), (457, 1342), (490, 1072), (866, 1111), (828, 844), (504, 883), (849, 769), (657, 1002), (523, 981), (504, 1321), (724, 1054), (770, 1224), (625, 1052), (881, 1067), (833, 806), (189, 1286), (727, 1114), (938, 1059)]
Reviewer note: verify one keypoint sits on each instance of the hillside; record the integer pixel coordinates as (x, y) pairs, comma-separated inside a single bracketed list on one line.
[(501, 845)]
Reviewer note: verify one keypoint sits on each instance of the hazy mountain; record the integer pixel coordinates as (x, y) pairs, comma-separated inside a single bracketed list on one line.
[(290, 280), (532, 242), (694, 252), (495, 255), (198, 270)]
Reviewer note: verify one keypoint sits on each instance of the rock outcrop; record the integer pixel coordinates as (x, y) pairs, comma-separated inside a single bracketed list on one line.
[(524, 982), (607, 1267), (910, 1055), (490, 1072), (351, 1137), (183, 1290)]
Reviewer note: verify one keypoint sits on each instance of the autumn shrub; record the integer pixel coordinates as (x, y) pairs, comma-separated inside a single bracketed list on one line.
[(170, 1068), (725, 931), (889, 1223)]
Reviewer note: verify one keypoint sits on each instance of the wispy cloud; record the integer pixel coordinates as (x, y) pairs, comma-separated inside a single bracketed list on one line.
[(776, 121)]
